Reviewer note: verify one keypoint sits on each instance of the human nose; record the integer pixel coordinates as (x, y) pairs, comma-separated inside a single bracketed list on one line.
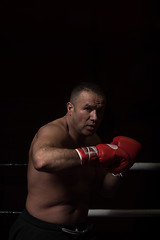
[(93, 116)]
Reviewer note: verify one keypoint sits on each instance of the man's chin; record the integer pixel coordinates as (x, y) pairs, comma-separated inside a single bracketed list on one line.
[(89, 132)]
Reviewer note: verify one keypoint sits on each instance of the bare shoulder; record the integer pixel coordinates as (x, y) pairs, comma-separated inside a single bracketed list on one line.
[(57, 125), (52, 133)]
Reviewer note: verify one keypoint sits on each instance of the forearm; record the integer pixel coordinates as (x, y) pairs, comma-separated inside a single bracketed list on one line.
[(111, 184), (52, 159)]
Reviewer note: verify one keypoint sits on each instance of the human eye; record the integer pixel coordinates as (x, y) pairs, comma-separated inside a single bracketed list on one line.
[(88, 108)]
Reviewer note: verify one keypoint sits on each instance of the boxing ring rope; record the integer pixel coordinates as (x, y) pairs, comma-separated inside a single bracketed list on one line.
[(115, 213), (140, 166), (122, 213)]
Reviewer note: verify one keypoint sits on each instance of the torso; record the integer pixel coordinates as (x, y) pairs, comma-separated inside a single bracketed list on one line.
[(62, 197)]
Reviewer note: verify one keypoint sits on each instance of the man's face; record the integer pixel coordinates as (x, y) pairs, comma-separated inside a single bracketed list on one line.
[(87, 113)]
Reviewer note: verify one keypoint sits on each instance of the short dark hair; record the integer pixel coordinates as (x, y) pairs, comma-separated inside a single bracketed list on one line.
[(86, 86)]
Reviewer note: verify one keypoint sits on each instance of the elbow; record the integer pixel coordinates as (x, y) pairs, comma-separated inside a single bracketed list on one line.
[(38, 160)]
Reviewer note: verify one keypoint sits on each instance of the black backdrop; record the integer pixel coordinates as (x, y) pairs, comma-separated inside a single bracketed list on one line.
[(47, 47)]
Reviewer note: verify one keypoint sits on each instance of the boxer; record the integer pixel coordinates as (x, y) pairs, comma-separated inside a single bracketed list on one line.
[(66, 161)]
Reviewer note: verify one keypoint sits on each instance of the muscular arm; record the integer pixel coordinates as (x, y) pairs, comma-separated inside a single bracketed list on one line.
[(55, 159), (47, 153), (111, 184), (107, 183)]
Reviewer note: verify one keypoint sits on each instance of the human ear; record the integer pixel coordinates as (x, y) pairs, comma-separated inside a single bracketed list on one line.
[(70, 108)]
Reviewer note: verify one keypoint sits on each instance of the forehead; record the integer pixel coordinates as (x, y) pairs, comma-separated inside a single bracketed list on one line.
[(90, 98)]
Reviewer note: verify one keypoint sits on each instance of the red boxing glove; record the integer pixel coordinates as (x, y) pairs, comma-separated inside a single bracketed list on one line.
[(106, 154), (131, 147), (110, 154)]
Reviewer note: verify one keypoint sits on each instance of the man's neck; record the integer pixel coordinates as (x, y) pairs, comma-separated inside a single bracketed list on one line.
[(79, 139)]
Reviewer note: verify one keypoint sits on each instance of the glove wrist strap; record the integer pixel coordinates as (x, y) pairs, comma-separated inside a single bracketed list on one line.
[(87, 153), (120, 175)]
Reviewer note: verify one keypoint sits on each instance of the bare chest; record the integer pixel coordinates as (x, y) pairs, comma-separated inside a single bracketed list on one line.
[(76, 177)]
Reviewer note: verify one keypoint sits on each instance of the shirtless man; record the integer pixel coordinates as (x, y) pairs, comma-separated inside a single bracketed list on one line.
[(62, 171)]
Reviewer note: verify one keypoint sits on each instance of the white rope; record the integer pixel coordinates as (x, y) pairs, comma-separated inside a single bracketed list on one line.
[(146, 166), (124, 212), (13, 164), (10, 212), (128, 213)]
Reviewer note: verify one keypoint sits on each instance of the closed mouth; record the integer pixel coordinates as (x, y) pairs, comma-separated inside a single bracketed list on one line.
[(91, 126)]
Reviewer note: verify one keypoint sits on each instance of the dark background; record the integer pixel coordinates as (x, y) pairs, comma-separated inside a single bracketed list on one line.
[(46, 48)]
